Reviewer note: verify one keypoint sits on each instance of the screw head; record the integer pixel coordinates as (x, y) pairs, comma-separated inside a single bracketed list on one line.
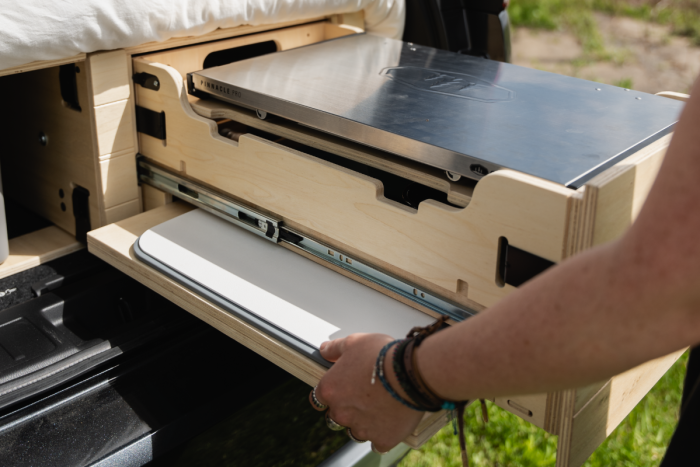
[(413, 49), (262, 115), (639, 98), (43, 139), (155, 83), (597, 89)]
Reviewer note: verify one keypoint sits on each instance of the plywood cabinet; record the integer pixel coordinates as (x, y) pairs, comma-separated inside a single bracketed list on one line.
[(448, 245)]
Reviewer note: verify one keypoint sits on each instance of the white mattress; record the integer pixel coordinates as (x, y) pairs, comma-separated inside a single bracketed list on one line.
[(53, 29)]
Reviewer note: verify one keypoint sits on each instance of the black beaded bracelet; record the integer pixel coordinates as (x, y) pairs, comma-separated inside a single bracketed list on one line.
[(379, 372), (422, 400)]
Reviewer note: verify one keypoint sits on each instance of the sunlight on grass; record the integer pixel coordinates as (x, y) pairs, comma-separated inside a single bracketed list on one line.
[(624, 83), (640, 440), (576, 15), (561, 14)]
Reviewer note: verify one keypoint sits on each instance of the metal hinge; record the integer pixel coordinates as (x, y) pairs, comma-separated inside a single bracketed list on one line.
[(150, 122)]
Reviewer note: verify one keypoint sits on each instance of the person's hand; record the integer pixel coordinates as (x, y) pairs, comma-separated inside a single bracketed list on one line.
[(368, 410)]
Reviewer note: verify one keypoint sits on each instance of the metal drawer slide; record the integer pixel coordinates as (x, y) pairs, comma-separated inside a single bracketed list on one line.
[(273, 230)]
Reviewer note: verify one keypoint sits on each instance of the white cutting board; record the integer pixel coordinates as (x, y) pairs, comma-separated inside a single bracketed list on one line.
[(307, 300)]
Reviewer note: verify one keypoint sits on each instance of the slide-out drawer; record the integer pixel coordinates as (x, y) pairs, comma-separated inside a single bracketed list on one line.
[(115, 244), (452, 251)]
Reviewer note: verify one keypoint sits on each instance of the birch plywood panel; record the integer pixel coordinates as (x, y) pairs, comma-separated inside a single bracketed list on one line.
[(441, 244), (35, 248), (109, 77), (40, 64), (612, 403), (114, 124), (119, 180), (457, 193), (192, 58), (601, 212), (213, 36), (35, 174), (114, 134)]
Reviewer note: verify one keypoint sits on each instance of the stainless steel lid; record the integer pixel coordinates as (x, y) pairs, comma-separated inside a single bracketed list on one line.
[(459, 113)]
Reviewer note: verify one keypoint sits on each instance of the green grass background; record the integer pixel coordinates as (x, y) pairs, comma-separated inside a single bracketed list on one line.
[(683, 16), (641, 439)]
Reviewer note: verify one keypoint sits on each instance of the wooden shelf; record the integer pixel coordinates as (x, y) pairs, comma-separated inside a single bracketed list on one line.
[(38, 247)]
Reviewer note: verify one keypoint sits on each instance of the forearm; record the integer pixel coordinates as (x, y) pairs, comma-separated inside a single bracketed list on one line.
[(583, 321), (594, 315)]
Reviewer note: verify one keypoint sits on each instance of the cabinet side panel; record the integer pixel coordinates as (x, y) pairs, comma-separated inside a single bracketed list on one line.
[(49, 144)]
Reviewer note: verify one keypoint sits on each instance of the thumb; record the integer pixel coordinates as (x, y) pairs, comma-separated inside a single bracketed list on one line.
[(332, 350)]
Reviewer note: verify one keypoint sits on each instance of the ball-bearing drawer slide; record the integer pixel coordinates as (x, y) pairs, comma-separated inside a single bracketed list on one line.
[(272, 229)]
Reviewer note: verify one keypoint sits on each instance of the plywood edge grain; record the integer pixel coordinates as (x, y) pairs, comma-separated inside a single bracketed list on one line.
[(614, 198), (611, 404), (35, 248), (426, 429), (679, 96), (39, 64), (217, 34)]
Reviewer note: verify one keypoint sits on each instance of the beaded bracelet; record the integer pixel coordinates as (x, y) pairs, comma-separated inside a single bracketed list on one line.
[(424, 399), (379, 371)]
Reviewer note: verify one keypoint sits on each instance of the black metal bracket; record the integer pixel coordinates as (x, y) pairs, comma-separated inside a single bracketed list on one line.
[(81, 212), (516, 266), (150, 122), (68, 83)]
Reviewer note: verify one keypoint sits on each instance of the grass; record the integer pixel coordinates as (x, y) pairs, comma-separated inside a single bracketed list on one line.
[(640, 440), (682, 15), (624, 83), (577, 16), (573, 15)]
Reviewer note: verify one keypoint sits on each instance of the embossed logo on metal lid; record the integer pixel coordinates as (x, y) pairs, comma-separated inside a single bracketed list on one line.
[(448, 83)]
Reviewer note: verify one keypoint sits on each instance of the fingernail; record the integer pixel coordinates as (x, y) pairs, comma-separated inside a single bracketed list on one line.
[(323, 345)]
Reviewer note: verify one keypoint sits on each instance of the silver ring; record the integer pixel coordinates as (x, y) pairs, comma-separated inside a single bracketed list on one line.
[(359, 441), (332, 424), (315, 400)]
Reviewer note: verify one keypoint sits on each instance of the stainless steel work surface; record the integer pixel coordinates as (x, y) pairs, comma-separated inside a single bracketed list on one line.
[(463, 114)]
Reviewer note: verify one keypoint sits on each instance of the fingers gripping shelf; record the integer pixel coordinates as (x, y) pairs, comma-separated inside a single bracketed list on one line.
[(114, 244)]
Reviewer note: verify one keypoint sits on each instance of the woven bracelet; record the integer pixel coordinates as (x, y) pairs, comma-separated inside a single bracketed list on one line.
[(379, 372), (425, 400)]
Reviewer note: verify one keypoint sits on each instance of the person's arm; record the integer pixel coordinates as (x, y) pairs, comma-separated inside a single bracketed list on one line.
[(597, 314), (584, 320)]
